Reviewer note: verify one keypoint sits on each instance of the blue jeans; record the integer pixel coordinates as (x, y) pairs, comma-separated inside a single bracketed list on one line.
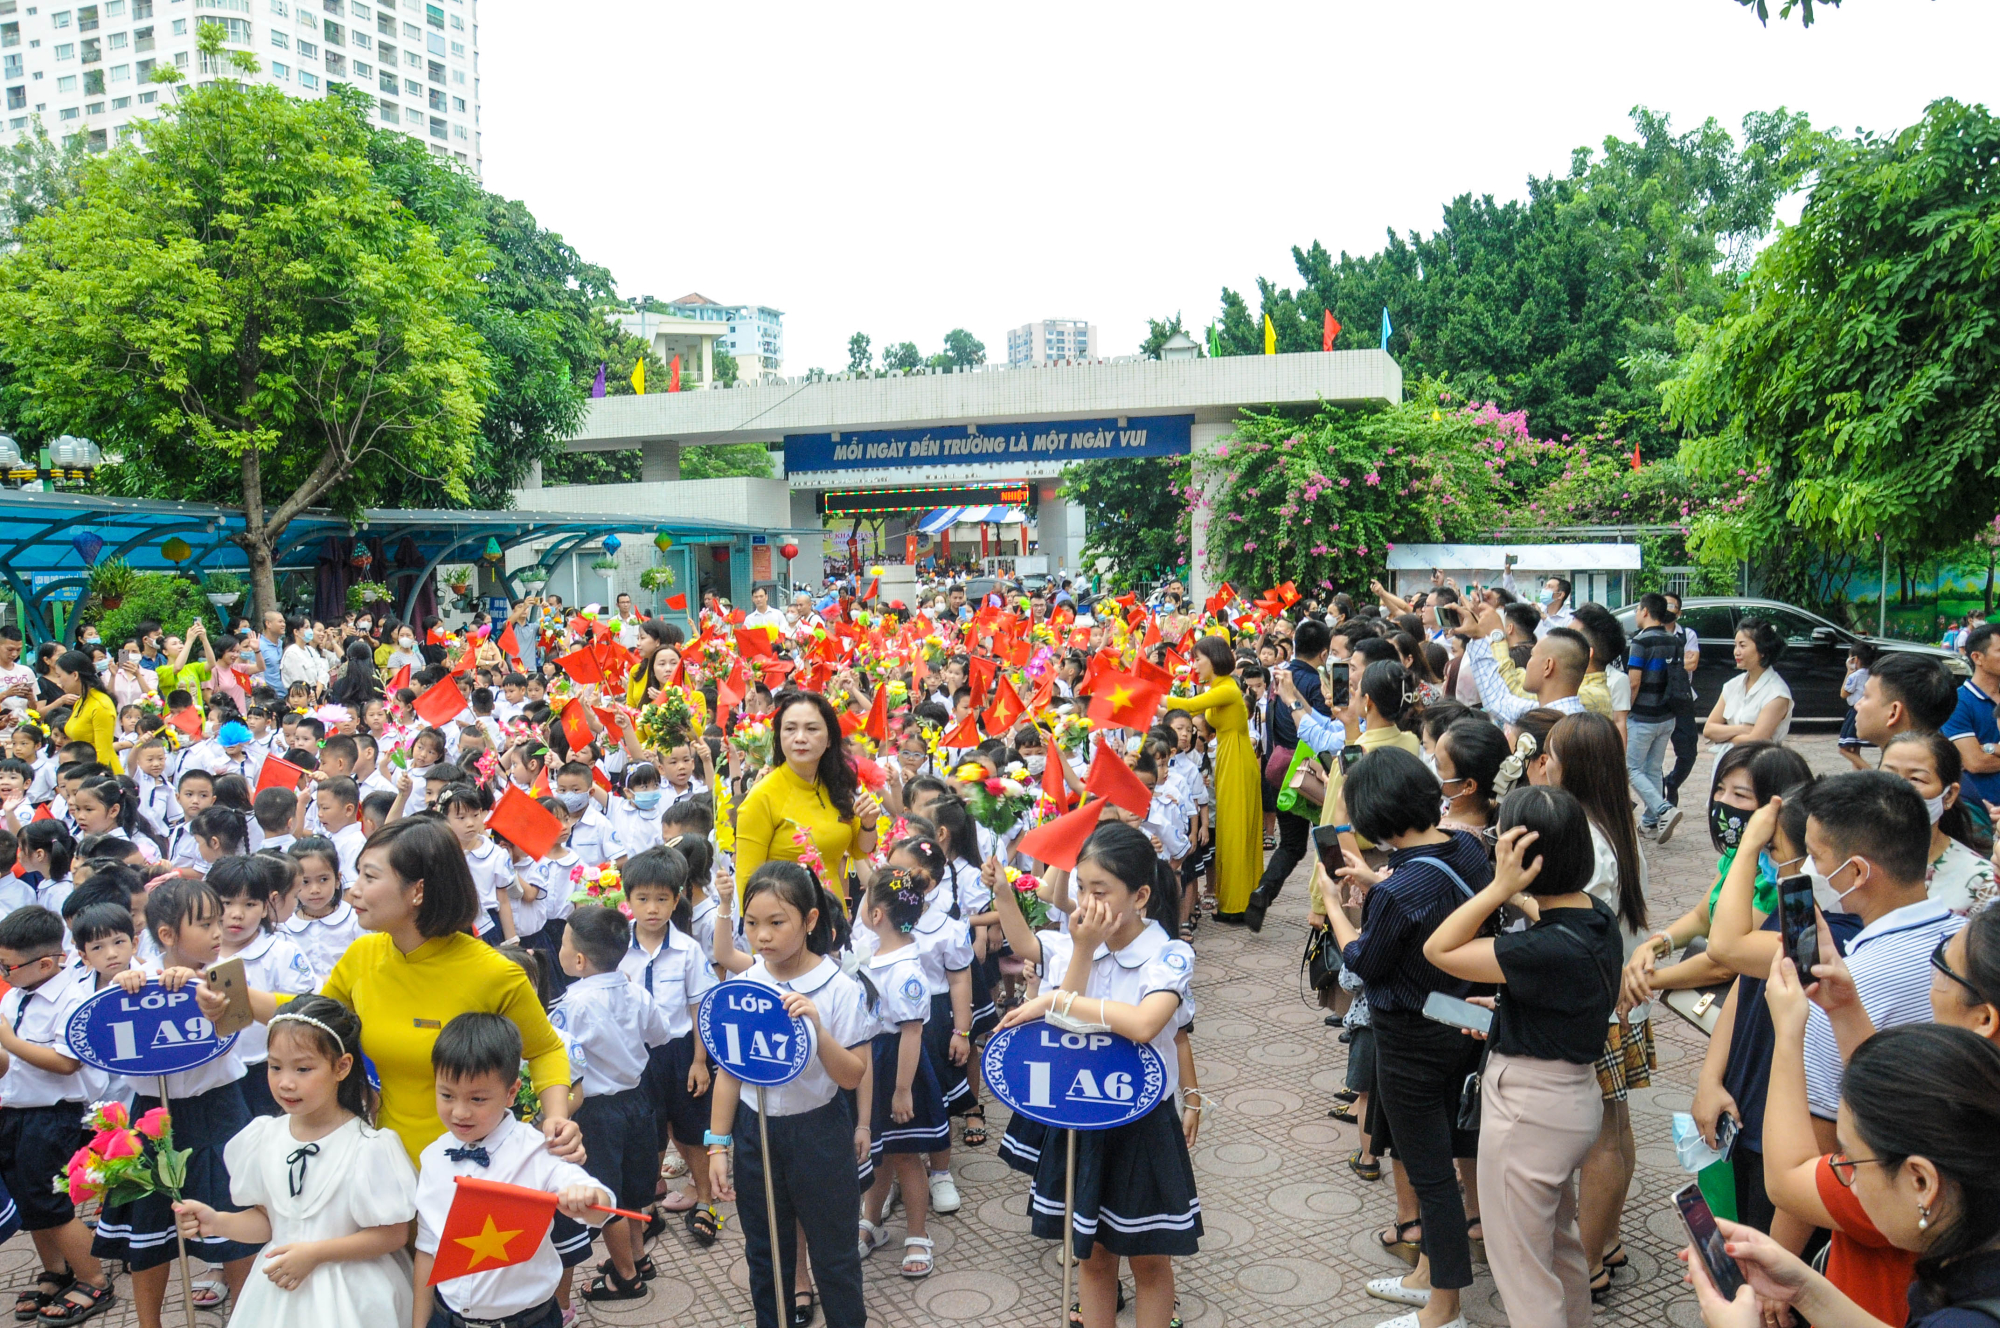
[(1647, 742)]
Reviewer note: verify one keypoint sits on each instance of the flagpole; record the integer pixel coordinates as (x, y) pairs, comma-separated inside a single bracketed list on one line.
[(1069, 1216), (778, 1297), (180, 1241)]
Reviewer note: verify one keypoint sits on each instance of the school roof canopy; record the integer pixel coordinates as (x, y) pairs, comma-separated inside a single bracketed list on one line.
[(40, 535)]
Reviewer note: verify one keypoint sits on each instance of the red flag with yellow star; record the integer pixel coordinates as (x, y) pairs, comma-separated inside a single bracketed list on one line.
[(1120, 700), (490, 1226)]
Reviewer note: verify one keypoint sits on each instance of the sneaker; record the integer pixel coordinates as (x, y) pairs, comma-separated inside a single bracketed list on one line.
[(1648, 832), (1392, 1289), (944, 1193), (1410, 1321), (1668, 820)]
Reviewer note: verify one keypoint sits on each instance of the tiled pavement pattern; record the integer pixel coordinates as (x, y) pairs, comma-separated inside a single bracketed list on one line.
[(1290, 1231)]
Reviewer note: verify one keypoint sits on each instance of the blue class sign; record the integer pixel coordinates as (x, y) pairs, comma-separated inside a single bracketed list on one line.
[(149, 1032), (1073, 1081), (970, 444), (744, 1026)]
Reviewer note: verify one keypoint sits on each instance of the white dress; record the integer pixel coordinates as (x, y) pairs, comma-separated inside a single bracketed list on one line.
[(359, 1178)]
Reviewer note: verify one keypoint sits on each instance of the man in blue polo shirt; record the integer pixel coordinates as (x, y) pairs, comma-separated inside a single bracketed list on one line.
[(1973, 727)]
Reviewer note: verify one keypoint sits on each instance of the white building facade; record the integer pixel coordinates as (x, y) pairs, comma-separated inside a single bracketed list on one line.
[(1053, 340), (87, 69), (755, 335)]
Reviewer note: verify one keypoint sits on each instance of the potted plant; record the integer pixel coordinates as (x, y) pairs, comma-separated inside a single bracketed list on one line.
[(533, 575), (459, 579), (363, 593), (223, 588), (111, 581), (604, 565), (657, 578)]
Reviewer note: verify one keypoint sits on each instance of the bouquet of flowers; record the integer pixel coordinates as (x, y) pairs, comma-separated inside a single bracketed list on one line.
[(753, 737), (527, 1098), (126, 1160), (598, 885), (1071, 730), (809, 857), (998, 804), (670, 721), (1033, 907)]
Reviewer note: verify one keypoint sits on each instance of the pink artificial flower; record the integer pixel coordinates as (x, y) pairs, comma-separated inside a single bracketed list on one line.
[(113, 1115), (154, 1123), (120, 1145)]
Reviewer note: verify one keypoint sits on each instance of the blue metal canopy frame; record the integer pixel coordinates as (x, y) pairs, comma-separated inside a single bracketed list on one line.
[(36, 530)]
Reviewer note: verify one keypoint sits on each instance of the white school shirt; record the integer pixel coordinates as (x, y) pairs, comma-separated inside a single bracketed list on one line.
[(676, 976), (701, 925), (273, 963), (593, 839), (551, 877), (279, 843), (607, 1022), (967, 889), (50, 892), (1890, 963), (44, 785), (508, 711), (157, 807), (901, 994), (492, 869), (183, 851), (942, 942), (636, 830), (224, 1069), (40, 1018), (1168, 818), (843, 1014), (1152, 962), (14, 893), (518, 1155), (347, 842), (530, 915), (324, 940), (375, 783)]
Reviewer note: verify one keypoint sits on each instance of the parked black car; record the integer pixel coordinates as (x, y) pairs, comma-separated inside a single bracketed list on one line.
[(1814, 662)]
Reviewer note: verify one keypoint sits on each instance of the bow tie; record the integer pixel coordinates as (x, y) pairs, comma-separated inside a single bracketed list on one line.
[(476, 1153)]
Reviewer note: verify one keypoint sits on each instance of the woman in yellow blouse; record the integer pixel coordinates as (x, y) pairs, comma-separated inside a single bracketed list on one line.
[(1239, 784), (94, 716), (815, 790), (417, 969)]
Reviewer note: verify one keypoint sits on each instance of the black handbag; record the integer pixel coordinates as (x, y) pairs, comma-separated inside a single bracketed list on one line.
[(1321, 962)]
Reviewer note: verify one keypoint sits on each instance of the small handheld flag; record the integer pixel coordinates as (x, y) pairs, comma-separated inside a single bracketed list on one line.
[(525, 823), (439, 703), (1386, 327)]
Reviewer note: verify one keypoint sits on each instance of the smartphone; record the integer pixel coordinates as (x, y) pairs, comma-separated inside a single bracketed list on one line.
[(1457, 1013), (1797, 925), (1348, 756), (1707, 1239), (228, 978), (1726, 1129), (1326, 841)]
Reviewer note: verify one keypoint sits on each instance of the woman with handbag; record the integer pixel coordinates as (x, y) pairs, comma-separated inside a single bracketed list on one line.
[(1392, 799), (1540, 1106)]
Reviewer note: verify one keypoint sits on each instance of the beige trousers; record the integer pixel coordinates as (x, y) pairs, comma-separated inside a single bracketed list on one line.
[(1537, 1121)]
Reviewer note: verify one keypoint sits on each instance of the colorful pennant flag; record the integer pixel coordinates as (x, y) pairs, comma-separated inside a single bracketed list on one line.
[(1329, 329), (639, 376), (597, 388), (1270, 337)]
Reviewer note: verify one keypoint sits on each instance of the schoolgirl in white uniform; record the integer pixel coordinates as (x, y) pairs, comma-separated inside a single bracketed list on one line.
[(551, 876), (1135, 1195), (322, 924), (635, 816), (464, 807), (271, 962), (793, 925)]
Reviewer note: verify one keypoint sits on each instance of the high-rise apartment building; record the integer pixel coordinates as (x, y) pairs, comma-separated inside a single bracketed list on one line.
[(1052, 339), (86, 69)]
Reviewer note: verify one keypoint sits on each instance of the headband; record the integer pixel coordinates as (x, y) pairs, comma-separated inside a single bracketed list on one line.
[(284, 1016)]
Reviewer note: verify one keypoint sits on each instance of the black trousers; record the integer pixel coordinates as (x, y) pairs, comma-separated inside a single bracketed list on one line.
[(1293, 834), (1753, 1203), (1420, 1068), (812, 1180), (1686, 743)]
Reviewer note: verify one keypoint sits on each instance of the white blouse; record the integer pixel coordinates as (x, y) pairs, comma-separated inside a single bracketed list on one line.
[(1742, 703)]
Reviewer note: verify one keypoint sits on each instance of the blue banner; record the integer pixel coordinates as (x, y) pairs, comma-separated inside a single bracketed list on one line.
[(153, 1031), (1073, 1081), (745, 1028), (993, 444)]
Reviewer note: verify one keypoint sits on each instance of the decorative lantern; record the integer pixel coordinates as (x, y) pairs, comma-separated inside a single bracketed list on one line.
[(720, 553), (176, 550), (612, 544), (663, 541), (492, 553), (88, 544), (361, 559), (790, 550)]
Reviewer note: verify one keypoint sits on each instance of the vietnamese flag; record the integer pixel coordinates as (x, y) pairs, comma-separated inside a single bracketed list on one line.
[(1123, 701), (850, 723), (1060, 842), (981, 672), (582, 667), (576, 723), (1054, 787), (1006, 707), (753, 642), (1111, 779), (490, 1226), (1043, 694), (440, 702), (965, 734), (730, 691), (1148, 671), (525, 822), (400, 681), (877, 726), (613, 659), (278, 773), (1152, 637)]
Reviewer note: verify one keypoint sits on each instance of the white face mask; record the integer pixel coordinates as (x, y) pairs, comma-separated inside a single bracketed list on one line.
[(1934, 808), (1036, 764), (573, 801), (1828, 898), (406, 642)]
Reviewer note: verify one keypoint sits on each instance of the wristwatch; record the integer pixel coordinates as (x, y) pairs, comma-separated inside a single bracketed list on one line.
[(1988, 747), (712, 1139)]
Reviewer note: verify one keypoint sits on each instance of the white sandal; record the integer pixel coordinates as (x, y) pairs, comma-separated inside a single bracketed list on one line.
[(922, 1247), (872, 1239)]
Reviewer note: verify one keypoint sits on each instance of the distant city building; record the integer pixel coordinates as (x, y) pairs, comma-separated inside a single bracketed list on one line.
[(1052, 339), (87, 69), (756, 335)]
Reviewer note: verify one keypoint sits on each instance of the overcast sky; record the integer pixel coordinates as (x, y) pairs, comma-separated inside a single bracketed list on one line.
[(906, 169)]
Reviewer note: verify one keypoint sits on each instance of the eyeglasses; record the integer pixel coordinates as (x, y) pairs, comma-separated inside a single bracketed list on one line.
[(1938, 962), (1843, 1167), (9, 970)]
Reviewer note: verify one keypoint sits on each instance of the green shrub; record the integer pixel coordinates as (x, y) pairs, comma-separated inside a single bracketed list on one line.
[(172, 601)]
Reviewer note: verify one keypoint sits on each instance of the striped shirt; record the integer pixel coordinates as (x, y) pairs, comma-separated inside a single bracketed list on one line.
[(1403, 911), (1890, 961)]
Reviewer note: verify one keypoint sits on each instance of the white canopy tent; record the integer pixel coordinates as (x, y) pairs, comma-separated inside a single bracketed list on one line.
[(1597, 571)]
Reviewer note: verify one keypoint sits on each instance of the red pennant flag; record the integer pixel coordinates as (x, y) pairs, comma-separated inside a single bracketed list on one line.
[(1329, 329), (1123, 701), (753, 643), (1147, 670), (490, 1225), (582, 667), (850, 723), (980, 673), (1635, 456), (599, 778), (877, 726), (575, 727), (1111, 779), (965, 734), (434, 637), (440, 702), (678, 603), (1054, 787), (400, 681), (277, 773), (730, 691), (188, 721), (1060, 842), (1152, 637), (508, 645), (674, 374), (607, 718), (524, 822)]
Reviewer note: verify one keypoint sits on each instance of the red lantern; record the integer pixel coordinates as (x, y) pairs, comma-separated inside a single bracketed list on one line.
[(720, 553), (790, 551)]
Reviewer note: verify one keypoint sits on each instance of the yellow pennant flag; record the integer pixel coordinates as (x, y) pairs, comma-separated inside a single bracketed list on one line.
[(1270, 337), (639, 377)]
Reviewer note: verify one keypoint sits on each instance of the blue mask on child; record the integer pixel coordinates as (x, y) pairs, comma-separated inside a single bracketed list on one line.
[(645, 799)]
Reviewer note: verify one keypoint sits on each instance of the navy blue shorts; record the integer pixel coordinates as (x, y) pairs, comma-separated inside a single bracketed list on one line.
[(619, 1138), (36, 1144)]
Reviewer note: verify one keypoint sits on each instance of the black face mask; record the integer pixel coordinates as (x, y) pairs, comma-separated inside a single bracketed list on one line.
[(1726, 823)]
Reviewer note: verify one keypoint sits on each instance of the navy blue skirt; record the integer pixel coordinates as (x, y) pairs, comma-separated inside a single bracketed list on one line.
[(951, 1080), (985, 1015), (1134, 1187), (141, 1233), (928, 1128)]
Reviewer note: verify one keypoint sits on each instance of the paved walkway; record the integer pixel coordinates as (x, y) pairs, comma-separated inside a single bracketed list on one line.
[(1290, 1231)]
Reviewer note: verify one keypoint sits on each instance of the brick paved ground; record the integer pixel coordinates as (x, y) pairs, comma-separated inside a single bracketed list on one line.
[(1289, 1228)]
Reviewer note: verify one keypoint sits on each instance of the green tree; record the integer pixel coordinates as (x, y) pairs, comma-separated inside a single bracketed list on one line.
[(903, 355), (1849, 389), (1785, 10), (244, 313), (1159, 334), (723, 460), (36, 174), (962, 349), (858, 355), (1136, 514)]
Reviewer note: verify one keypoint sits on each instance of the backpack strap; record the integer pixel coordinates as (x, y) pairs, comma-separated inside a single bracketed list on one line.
[(1446, 868)]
